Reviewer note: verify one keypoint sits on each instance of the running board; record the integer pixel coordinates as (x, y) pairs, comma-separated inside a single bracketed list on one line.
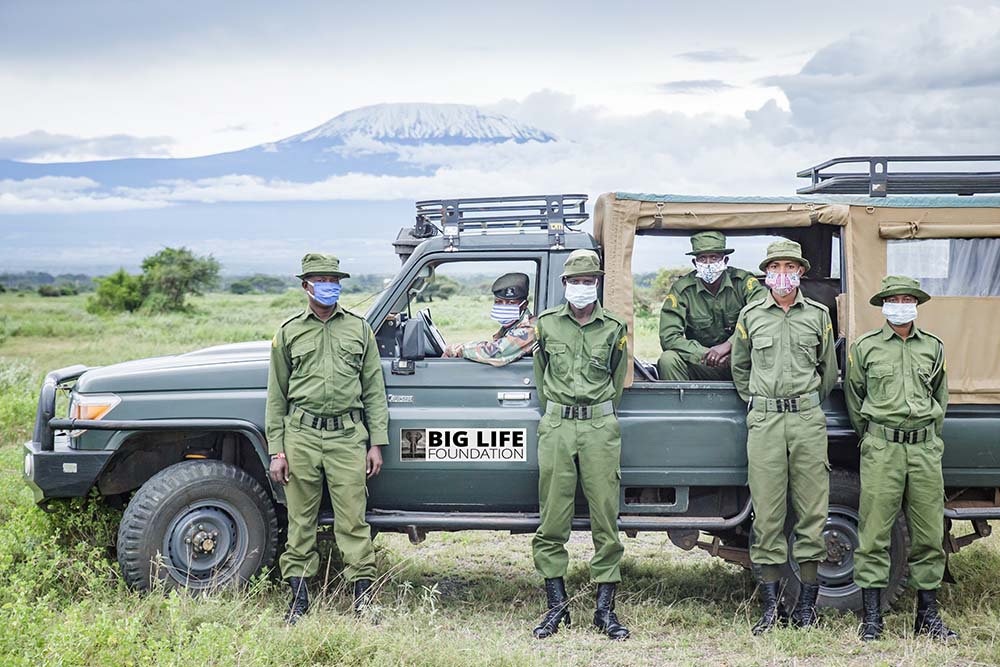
[(525, 523)]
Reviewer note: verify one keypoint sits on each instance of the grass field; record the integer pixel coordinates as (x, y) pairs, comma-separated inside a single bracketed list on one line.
[(456, 599)]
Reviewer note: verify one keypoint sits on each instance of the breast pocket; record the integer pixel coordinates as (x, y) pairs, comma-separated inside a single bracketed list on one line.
[(598, 365), (303, 353), (558, 354), (762, 351), (351, 353), (807, 349), (881, 380)]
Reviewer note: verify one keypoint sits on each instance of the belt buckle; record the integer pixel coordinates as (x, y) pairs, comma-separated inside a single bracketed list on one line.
[(779, 405), (584, 412), (793, 404), (898, 435), (338, 423)]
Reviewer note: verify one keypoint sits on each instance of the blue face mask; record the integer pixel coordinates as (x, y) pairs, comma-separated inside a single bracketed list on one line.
[(506, 313), (325, 294)]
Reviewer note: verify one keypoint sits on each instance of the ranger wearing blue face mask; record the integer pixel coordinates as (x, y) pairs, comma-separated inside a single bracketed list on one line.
[(326, 416), (516, 337)]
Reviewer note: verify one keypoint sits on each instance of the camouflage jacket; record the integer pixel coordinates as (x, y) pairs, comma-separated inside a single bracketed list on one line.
[(508, 344)]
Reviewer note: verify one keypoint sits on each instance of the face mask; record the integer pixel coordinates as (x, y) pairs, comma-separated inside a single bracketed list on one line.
[(782, 284), (899, 313), (709, 273), (506, 313), (325, 294), (581, 296)]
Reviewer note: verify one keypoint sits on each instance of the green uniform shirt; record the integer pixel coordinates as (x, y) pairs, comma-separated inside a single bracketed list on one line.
[(896, 383), (693, 319), (327, 369), (580, 365), (784, 355), (509, 344)]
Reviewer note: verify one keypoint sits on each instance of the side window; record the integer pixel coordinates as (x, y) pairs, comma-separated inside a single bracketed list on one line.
[(948, 267), (458, 296)]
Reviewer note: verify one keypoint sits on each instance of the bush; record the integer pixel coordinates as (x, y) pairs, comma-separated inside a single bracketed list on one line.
[(116, 293), (174, 273), (57, 290), (241, 287)]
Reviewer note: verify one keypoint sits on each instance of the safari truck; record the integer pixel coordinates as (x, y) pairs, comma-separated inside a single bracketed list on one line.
[(178, 441)]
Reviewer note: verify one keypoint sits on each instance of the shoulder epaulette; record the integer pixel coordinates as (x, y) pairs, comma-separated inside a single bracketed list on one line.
[(932, 335), (549, 311), (684, 282), (352, 313), (293, 317), (815, 303), (611, 316), (866, 335), (753, 304)]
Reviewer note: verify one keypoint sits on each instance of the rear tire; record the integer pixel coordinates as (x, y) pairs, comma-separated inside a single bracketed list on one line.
[(836, 574), (199, 525)]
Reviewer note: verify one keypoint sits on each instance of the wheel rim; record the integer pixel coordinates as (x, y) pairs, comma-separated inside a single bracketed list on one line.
[(836, 572), (205, 544)]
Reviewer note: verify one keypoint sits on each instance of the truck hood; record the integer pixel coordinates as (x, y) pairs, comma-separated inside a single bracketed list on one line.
[(235, 366)]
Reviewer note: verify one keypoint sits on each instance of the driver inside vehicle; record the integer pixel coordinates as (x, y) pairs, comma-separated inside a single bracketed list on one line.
[(516, 336)]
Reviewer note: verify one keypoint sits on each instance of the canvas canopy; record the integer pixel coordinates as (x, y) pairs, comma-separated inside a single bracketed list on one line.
[(965, 322)]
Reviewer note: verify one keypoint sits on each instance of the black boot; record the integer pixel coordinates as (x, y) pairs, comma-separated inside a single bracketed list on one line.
[(604, 617), (871, 622), (804, 614), (928, 620), (362, 595), (300, 600), (558, 609), (771, 614)]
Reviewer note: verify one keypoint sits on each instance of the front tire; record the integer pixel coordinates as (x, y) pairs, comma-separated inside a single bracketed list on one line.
[(199, 525)]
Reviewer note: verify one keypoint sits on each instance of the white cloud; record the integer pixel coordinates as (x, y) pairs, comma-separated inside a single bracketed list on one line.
[(40, 146), (61, 194)]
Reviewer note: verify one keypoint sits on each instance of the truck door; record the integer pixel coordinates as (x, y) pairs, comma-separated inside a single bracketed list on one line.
[(463, 434)]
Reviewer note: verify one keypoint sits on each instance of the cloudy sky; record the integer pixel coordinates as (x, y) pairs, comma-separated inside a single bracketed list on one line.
[(715, 97)]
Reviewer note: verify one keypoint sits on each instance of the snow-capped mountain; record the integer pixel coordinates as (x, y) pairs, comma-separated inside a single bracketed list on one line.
[(323, 151), (422, 123)]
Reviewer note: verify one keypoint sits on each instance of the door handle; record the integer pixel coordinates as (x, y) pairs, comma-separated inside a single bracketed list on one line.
[(521, 397)]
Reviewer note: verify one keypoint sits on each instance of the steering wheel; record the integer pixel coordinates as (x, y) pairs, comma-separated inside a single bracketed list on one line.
[(435, 341)]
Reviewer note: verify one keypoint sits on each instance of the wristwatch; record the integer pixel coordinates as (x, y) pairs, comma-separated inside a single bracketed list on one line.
[(279, 455)]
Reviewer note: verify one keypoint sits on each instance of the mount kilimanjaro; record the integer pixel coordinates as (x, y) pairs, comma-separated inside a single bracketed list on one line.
[(361, 140)]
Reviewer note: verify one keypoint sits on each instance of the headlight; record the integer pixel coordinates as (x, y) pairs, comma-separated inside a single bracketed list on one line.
[(29, 466), (91, 407)]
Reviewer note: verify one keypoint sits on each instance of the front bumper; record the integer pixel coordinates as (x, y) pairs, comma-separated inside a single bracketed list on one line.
[(62, 472)]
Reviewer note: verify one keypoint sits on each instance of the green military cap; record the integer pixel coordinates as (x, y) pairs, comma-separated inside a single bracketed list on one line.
[(320, 264), (511, 286), (708, 242), (582, 263), (896, 285), (784, 249)]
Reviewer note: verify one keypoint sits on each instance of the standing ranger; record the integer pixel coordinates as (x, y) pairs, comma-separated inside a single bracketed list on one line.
[(325, 400), (897, 394), (580, 369), (784, 366), (516, 336), (698, 317)]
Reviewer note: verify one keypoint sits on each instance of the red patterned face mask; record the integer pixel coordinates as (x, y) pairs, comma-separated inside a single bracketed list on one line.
[(781, 284)]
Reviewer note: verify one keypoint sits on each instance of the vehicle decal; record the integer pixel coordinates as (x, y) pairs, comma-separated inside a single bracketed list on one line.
[(463, 444)]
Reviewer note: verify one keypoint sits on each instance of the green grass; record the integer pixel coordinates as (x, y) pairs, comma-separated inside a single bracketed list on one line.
[(456, 599)]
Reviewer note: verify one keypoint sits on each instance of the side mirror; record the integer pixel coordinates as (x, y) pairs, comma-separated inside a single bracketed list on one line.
[(414, 343), (424, 278)]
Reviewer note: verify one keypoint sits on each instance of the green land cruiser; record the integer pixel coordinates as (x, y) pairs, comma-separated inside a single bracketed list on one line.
[(179, 442)]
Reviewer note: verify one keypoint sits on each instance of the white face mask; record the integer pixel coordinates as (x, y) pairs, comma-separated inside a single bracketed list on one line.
[(709, 273), (899, 313), (581, 296)]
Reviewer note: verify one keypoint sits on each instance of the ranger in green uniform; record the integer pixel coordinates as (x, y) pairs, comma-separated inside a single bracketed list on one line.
[(784, 366), (897, 394), (325, 400), (698, 317), (516, 337), (580, 370)]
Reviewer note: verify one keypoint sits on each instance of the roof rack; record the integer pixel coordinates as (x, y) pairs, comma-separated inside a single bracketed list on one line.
[(453, 217), (879, 181)]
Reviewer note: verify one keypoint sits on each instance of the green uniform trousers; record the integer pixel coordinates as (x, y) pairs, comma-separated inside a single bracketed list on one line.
[(596, 445), (787, 452), (672, 368), (898, 476), (341, 455)]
